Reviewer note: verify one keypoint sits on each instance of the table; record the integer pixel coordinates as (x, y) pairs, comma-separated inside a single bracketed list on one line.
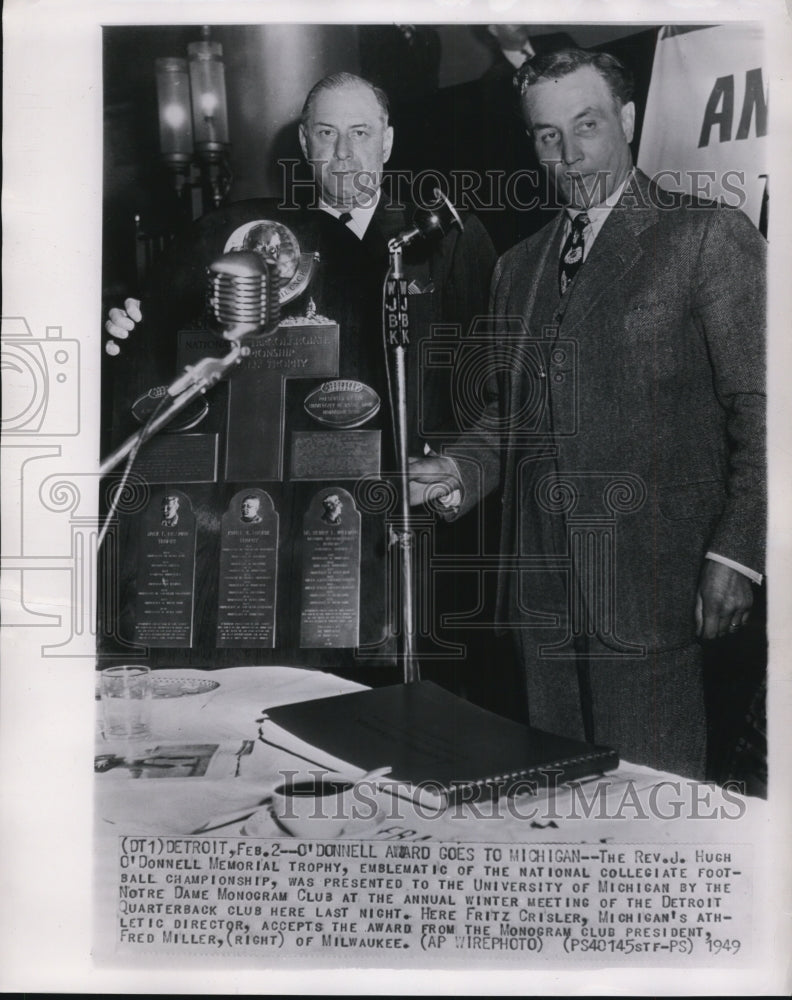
[(632, 804), (200, 868)]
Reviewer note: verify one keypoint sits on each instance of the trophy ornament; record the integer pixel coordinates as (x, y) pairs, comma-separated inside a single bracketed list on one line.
[(276, 244)]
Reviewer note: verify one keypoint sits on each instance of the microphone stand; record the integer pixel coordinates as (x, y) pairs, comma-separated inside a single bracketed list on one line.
[(397, 337), (429, 223), (195, 381)]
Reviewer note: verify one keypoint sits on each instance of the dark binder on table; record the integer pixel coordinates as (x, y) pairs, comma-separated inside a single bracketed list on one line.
[(435, 740)]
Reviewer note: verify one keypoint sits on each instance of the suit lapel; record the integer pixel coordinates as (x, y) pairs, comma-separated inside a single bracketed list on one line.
[(534, 265), (615, 251), (520, 303), (529, 274)]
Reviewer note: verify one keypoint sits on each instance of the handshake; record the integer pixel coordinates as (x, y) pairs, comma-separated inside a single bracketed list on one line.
[(435, 483)]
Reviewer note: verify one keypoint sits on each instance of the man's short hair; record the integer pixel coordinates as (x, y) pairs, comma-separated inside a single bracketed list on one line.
[(553, 65), (336, 80)]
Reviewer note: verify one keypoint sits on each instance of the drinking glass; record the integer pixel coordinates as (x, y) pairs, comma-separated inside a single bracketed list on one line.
[(126, 702)]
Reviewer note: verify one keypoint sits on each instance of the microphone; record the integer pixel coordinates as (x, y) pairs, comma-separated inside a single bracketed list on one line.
[(429, 222), (243, 295)]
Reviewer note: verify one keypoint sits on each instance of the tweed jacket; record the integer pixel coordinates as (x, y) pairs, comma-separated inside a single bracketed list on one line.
[(660, 387)]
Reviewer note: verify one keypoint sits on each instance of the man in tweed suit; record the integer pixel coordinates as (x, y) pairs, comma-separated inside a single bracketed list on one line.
[(626, 430)]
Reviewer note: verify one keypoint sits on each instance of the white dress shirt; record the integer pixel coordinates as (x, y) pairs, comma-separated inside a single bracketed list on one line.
[(361, 215), (597, 215)]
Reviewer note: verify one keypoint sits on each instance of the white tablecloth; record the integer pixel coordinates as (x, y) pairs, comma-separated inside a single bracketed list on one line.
[(632, 804)]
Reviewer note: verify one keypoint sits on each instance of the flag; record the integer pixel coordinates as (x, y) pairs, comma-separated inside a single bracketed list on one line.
[(705, 127)]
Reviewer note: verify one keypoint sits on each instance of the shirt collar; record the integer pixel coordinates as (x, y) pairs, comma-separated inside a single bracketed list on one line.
[(361, 215), (597, 214)]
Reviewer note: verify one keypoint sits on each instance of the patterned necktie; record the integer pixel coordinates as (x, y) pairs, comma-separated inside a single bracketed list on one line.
[(572, 252)]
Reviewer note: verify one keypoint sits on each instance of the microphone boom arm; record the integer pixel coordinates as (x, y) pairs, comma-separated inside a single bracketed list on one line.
[(195, 381), (243, 296)]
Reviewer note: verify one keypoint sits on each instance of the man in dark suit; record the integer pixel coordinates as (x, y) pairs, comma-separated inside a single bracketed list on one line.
[(345, 218), (626, 430)]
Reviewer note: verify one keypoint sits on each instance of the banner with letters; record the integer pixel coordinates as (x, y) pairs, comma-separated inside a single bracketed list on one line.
[(705, 128)]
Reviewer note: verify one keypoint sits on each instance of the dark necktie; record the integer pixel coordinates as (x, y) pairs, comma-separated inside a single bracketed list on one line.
[(572, 252), (344, 218)]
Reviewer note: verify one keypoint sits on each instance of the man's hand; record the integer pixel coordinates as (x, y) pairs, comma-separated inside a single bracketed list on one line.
[(432, 477), (723, 602), (121, 322)]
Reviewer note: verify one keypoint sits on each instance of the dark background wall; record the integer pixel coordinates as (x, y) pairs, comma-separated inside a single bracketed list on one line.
[(269, 69)]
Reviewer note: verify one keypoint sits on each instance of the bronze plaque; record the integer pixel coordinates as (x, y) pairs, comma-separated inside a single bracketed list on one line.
[(257, 391), (179, 458), (342, 403), (321, 455), (248, 571), (330, 614), (166, 571)]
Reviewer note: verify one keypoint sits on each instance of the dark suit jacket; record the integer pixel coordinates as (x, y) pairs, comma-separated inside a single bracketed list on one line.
[(663, 387)]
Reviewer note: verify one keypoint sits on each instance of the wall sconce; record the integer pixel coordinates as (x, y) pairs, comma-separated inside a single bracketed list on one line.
[(193, 117), (175, 117), (210, 115)]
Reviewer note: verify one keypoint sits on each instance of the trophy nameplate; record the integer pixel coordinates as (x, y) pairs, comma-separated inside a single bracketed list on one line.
[(342, 403), (330, 611), (248, 571), (257, 392), (166, 572)]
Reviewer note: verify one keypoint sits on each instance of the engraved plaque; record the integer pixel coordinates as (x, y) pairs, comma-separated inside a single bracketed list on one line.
[(182, 458), (342, 403), (248, 571), (330, 614), (166, 571), (257, 391), (320, 455)]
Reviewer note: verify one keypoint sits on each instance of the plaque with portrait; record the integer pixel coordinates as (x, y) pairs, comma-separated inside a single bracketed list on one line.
[(166, 571), (248, 571)]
